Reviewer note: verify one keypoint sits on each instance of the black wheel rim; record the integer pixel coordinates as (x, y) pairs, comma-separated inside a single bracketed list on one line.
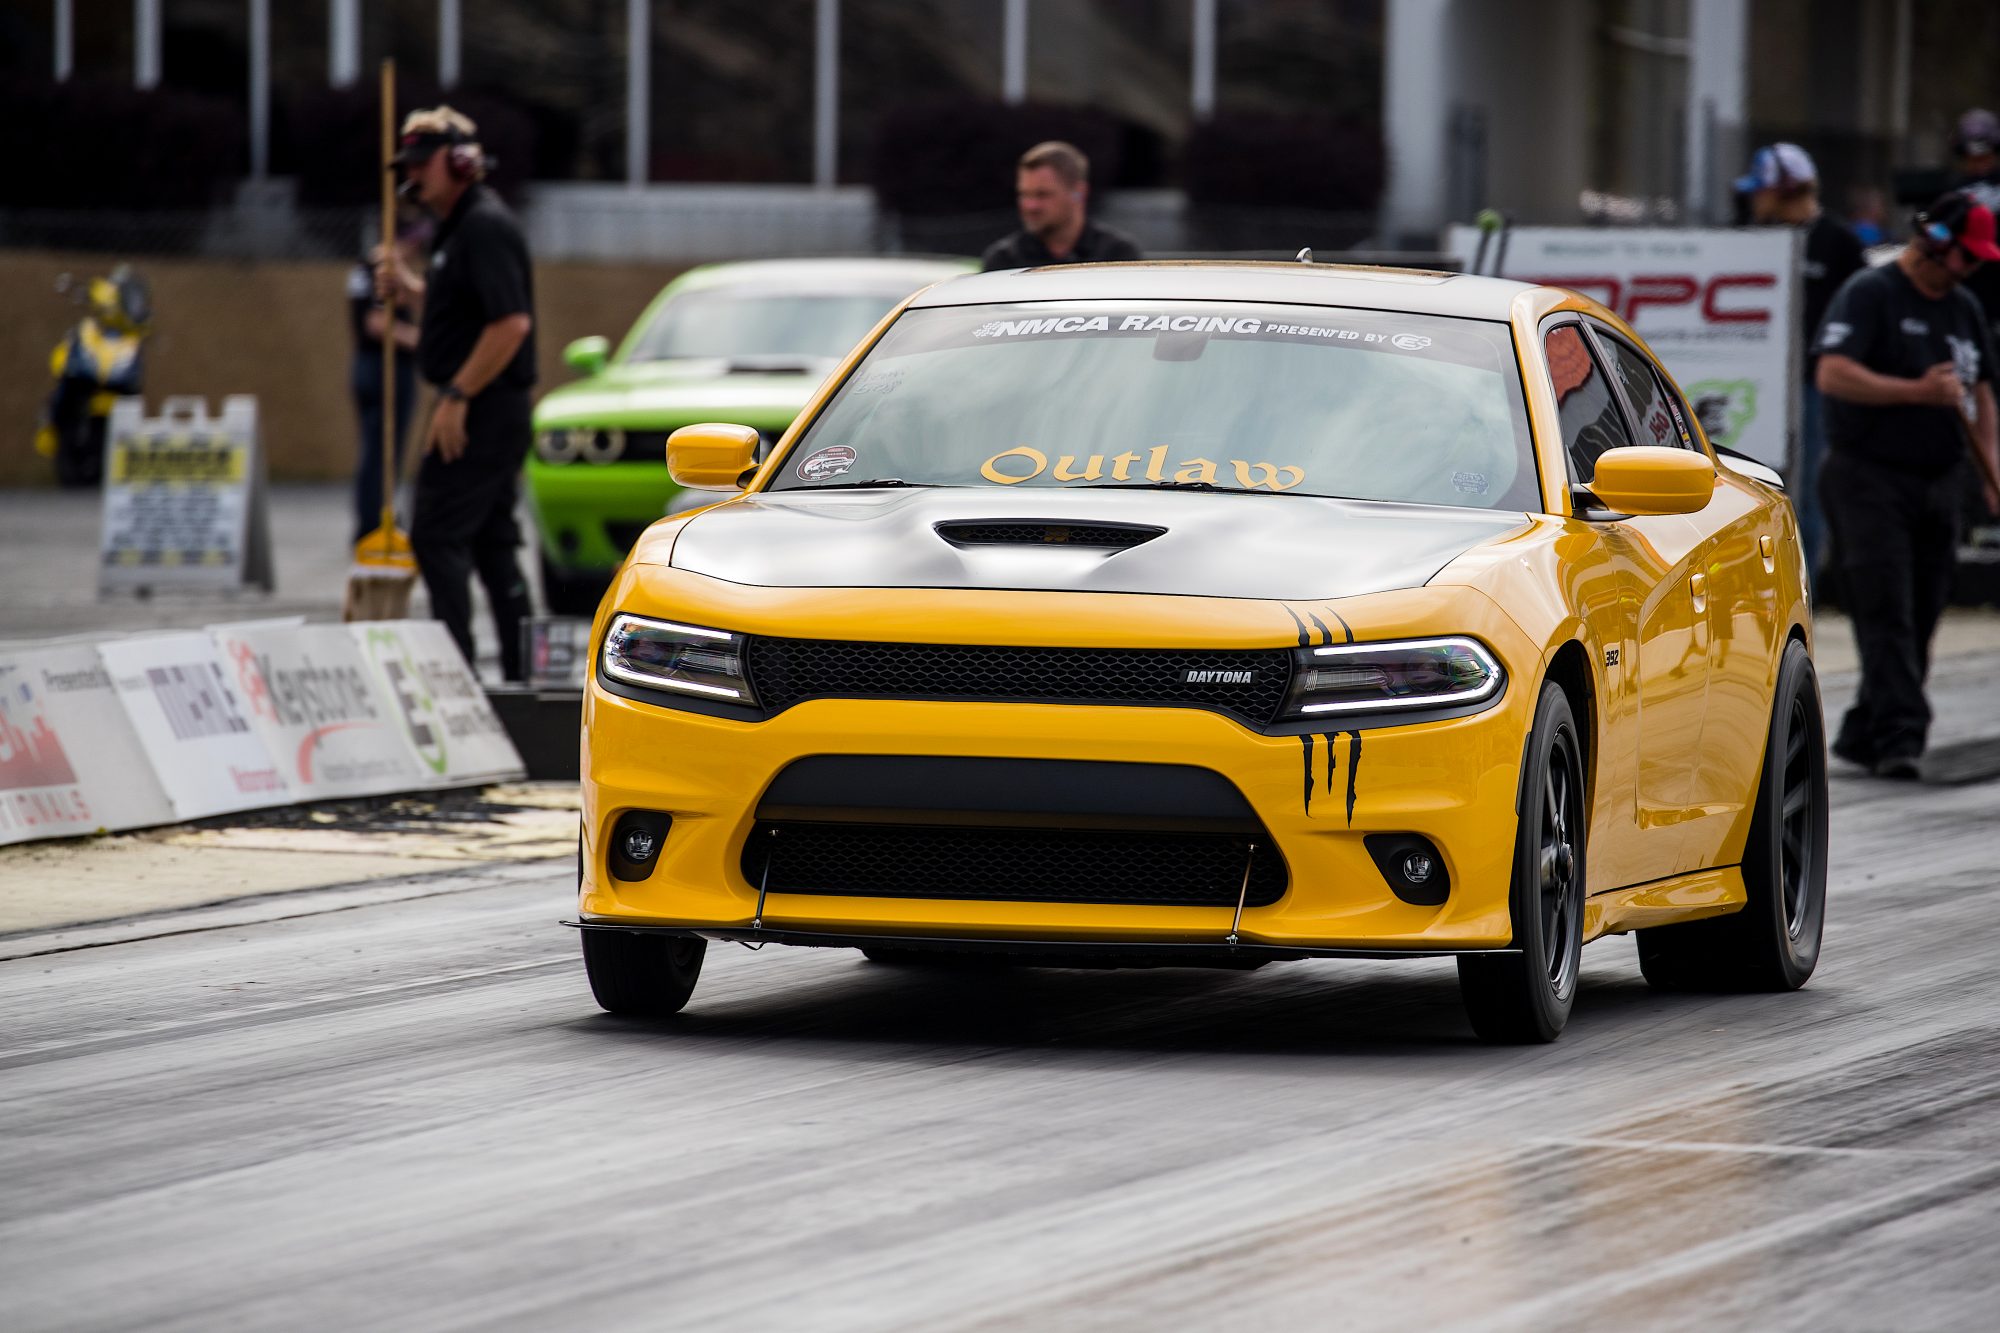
[(1797, 817), (1558, 828)]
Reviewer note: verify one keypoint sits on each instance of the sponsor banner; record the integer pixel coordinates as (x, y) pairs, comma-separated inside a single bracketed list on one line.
[(181, 699), (70, 762), (1720, 307), (321, 712), (446, 720)]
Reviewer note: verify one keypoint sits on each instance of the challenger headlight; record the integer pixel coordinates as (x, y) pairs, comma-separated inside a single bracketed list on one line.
[(1392, 677), (660, 655)]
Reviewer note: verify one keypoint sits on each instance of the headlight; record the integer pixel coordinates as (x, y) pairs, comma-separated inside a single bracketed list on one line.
[(1391, 677), (660, 655), (559, 446)]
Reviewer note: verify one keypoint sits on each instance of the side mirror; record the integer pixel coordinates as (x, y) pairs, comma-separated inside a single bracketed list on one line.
[(711, 457), (588, 355), (1653, 479)]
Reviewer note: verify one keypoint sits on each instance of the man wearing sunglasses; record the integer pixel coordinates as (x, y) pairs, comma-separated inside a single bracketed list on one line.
[(1906, 364)]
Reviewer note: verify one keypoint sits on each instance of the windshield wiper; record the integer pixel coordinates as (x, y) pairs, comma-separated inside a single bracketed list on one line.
[(884, 482), (1172, 486)]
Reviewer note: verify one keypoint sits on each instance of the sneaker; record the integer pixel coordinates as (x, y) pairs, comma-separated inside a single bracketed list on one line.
[(1897, 767)]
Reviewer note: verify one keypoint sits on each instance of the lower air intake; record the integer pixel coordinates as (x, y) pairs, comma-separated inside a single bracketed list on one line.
[(1011, 864)]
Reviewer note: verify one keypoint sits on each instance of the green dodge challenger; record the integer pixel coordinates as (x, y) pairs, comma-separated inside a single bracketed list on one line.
[(744, 343)]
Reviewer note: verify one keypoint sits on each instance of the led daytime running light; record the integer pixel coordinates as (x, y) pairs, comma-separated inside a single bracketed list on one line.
[(1465, 673)]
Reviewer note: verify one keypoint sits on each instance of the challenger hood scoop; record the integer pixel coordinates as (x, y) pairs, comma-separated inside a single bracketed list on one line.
[(1189, 543)]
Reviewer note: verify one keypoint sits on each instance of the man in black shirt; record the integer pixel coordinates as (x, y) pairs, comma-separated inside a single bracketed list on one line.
[(477, 346), (1903, 351), (1782, 187), (1052, 188)]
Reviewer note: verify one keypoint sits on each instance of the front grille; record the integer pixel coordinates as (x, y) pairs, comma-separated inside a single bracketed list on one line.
[(785, 671), (1012, 864), (1113, 535)]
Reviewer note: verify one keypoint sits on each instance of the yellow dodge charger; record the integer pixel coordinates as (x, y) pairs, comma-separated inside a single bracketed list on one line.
[(1216, 614)]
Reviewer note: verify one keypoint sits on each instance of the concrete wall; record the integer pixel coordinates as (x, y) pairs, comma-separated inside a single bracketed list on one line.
[(277, 330)]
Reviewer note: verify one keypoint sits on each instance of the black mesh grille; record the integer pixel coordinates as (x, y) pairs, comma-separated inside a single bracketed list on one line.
[(785, 671), (645, 446), (1045, 534), (1015, 864)]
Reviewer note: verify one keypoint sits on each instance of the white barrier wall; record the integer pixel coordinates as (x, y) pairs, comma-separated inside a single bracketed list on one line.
[(153, 728)]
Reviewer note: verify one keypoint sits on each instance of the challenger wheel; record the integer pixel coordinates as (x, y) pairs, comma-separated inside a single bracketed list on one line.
[(1773, 943), (1526, 996), (642, 975)]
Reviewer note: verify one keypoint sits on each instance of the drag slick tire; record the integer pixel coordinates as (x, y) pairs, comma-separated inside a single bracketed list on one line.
[(1773, 943), (1525, 997), (642, 975)]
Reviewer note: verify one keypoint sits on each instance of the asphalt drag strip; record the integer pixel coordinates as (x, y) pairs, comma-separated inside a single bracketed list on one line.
[(406, 1111)]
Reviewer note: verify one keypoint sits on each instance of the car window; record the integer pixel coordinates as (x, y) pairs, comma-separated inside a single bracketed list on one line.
[(1311, 400), (1591, 421), (1656, 408), (757, 322)]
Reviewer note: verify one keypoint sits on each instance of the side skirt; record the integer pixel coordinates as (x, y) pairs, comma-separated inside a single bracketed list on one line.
[(1665, 902)]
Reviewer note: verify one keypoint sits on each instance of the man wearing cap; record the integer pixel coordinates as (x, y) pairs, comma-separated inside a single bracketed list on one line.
[(476, 344), (1903, 351), (1782, 187)]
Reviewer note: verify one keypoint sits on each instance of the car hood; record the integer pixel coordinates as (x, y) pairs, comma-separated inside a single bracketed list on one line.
[(1269, 546), (662, 393)]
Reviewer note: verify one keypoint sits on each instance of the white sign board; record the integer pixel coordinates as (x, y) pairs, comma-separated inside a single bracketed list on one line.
[(1720, 307), (195, 727), (321, 711), (457, 737), (70, 763), (184, 498)]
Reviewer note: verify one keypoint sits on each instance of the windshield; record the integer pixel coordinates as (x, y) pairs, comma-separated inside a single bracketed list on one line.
[(1311, 400), (739, 324)]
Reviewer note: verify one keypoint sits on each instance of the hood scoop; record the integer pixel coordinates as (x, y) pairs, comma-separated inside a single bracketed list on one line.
[(1046, 532)]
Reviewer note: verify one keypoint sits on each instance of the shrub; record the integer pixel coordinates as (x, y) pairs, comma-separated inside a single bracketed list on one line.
[(1283, 161), (957, 156), (88, 144)]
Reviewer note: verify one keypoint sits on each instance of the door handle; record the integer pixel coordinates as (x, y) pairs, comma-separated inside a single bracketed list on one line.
[(1698, 585)]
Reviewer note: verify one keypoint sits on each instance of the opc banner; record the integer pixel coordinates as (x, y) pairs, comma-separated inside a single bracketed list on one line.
[(195, 727), (457, 737), (69, 760), (1719, 306), (320, 711)]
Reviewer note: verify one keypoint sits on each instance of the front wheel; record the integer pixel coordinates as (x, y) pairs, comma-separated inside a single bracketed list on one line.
[(1773, 943), (642, 975), (1525, 996)]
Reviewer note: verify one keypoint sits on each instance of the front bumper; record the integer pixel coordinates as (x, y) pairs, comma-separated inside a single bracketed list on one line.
[(1453, 782), (589, 514)]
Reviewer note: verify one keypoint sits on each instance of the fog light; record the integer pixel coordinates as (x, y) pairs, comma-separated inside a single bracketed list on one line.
[(634, 846), (1412, 865)]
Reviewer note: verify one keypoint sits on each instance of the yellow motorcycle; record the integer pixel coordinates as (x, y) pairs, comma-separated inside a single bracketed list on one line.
[(95, 364)]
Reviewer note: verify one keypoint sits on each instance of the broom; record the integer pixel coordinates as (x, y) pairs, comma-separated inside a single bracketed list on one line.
[(385, 569)]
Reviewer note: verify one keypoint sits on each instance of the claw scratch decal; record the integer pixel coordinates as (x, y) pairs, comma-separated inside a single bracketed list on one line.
[(1309, 774), (1325, 634), (1329, 738), (1353, 768), (1304, 638), (1345, 627)]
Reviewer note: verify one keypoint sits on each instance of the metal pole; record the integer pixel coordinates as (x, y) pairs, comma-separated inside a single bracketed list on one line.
[(1202, 91), (638, 91), (448, 43), (260, 88), (1899, 87), (826, 95), (65, 39), (145, 43), (343, 43), (1014, 53)]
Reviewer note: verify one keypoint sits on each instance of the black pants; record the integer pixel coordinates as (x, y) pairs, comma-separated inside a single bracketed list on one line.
[(1895, 535), (464, 522)]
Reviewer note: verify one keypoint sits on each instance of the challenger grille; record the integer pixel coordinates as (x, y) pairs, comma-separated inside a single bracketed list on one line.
[(1247, 683), (1158, 869)]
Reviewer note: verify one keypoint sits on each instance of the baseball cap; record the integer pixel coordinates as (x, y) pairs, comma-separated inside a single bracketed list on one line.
[(1968, 224), (427, 130), (1778, 166), (1977, 134)]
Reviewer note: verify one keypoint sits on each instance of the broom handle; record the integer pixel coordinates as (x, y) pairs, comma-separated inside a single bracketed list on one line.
[(389, 309), (1980, 462)]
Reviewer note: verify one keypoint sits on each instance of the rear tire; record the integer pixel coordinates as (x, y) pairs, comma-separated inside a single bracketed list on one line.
[(1773, 943), (642, 975), (1526, 997)]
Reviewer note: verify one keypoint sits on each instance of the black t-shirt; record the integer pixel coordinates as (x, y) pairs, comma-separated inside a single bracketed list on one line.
[(479, 273), (362, 302), (1833, 255), (1881, 320), (1095, 245)]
